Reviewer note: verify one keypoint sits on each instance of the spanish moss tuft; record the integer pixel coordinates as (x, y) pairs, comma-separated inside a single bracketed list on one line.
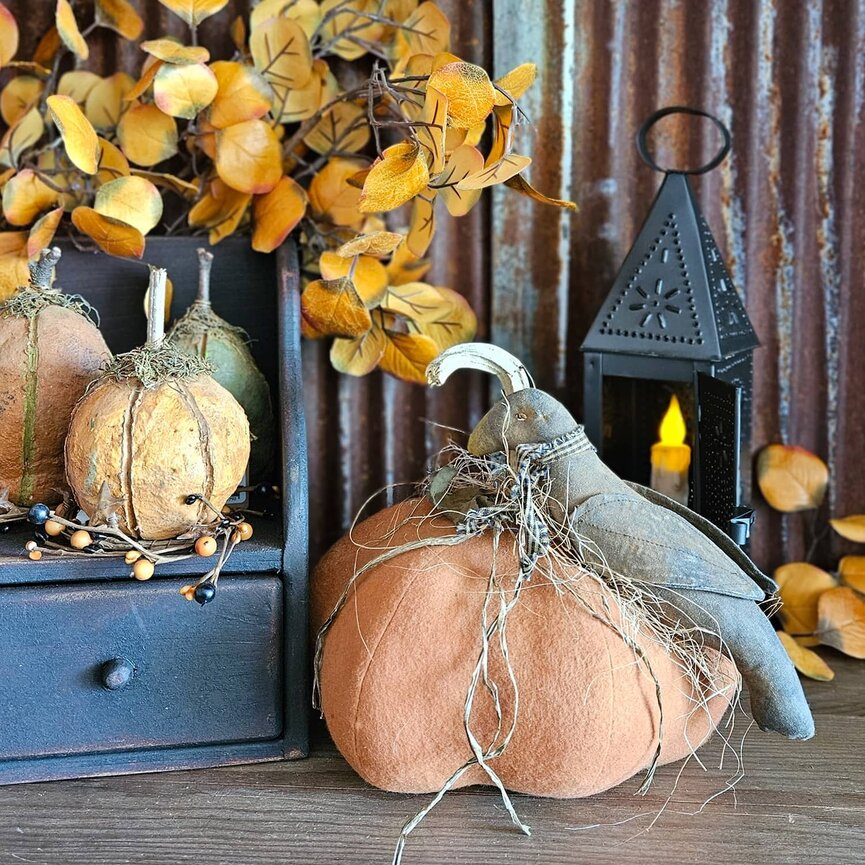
[(199, 320), (156, 363), (29, 302)]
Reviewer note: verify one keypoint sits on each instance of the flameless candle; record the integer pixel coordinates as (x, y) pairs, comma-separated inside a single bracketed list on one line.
[(671, 457)]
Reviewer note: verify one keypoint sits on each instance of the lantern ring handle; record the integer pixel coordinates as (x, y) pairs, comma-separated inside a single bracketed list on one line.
[(643, 150)]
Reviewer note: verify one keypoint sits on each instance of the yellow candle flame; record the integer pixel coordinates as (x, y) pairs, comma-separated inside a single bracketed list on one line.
[(673, 430)]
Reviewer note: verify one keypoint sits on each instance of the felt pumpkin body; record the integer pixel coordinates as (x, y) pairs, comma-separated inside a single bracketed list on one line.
[(202, 332), (49, 352), (153, 431), (399, 655)]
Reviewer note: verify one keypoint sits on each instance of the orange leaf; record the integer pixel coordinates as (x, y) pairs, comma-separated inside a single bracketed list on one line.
[(111, 235), (468, 90), (302, 102), (515, 83), (220, 209), (77, 84), (426, 31), (521, 185), (248, 156), (8, 35), (367, 275), (800, 587), (105, 101), (171, 51), (405, 266), (281, 53), (112, 163), (184, 91), (432, 136), (348, 17), (47, 47), (148, 73), (277, 213), (401, 174), (378, 244), (852, 527), (193, 12), (132, 200), (25, 196), (67, 27), (331, 194), (439, 313), (499, 172), (791, 478), (407, 355), (79, 137), (43, 231), (13, 262), (333, 307), (119, 16), (842, 621), (852, 570), (307, 13), (344, 127), (183, 188), (18, 138), (18, 97), (242, 94), (361, 355), (146, 135), (808, 663), (423, 226), (465, 161)]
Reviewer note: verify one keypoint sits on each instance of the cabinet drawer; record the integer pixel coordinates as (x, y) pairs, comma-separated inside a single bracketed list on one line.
[(181, 674)]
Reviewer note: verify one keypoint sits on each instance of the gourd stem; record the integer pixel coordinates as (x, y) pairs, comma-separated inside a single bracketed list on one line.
[(156, 306), (205, 262), (42, 270)]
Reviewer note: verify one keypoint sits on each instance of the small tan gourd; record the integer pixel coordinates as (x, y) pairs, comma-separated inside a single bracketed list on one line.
[(49, 352), (158, 431)]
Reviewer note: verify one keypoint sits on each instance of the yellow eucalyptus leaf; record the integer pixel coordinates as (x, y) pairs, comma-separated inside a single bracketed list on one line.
[(169, 51), (110, 235), (292, 106), (47, 48), (443, 58), (220, 209), (77, 84), (42, 232), (808, 663), (807, 641), (112, 163), (25, 196), (404, 266), (277, 213), (852, 571), (515, 83), (67, 28), (501, 171), (366, 273), (105, 102), (307, 13), (238, 34), (426, 31), (242, 94), (13, 262), (8, 35), (18, 97), (79, 136), (193, 12), (350, 19), (378, 244), (800, 587), (453, 321), (361, 355), (22, 135), (148, 73), (407, 355), (281, 53), (432, 135), (119, 16), (465, 161), (469, 92), (132, 200), (503, 125), (423, 224), (334, 308), (841, 621), (183, 188), (69, 181), (401, 174), (147, 136), (852, 528), (521, 185), (791, 478), (184, 91), (248, 157), (344, 127), (332, 196)]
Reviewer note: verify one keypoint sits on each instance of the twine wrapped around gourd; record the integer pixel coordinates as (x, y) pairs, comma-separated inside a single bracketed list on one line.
[(203, 333), (161, 433), (50, 350)]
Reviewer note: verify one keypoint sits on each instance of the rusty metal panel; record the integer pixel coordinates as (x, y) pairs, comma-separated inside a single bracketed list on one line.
[(787, 207)]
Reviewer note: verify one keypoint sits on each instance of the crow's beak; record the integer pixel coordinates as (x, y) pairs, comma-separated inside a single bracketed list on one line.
[(488, 436)]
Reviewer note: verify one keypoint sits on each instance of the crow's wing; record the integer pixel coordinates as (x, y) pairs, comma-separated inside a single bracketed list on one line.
[(713, 533), (653, 544)]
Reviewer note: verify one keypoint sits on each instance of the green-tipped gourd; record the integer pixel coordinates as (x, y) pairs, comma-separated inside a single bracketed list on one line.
[(202, 332), (50, 350)]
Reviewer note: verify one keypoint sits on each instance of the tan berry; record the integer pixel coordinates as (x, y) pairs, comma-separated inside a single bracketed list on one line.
[(142, 569), (53, 528), (245, 530), (80, 539), (35, 555), (205, 545), (132, 556), (30, 546)]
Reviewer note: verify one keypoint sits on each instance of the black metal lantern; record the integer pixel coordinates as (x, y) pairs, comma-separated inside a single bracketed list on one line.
[(673, 325)]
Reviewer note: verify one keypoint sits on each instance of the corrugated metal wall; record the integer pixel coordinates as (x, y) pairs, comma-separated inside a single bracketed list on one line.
[(788, 78)]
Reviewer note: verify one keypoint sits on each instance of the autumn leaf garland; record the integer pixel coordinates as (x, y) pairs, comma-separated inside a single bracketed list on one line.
[(269, 141)]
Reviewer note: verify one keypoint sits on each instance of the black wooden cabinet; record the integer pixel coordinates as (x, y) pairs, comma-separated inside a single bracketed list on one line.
[(100, 674)]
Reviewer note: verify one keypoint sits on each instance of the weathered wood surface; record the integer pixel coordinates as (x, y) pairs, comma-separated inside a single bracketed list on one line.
[(798, 803)]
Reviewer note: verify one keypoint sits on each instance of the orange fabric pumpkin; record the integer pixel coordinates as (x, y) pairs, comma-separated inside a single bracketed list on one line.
[(399, 656)]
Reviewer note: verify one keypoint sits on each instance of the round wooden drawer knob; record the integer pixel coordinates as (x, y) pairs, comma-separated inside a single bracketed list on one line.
[(116, 673)]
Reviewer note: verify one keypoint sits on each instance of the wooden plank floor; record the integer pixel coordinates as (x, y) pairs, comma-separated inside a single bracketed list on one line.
[(800, 803)]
